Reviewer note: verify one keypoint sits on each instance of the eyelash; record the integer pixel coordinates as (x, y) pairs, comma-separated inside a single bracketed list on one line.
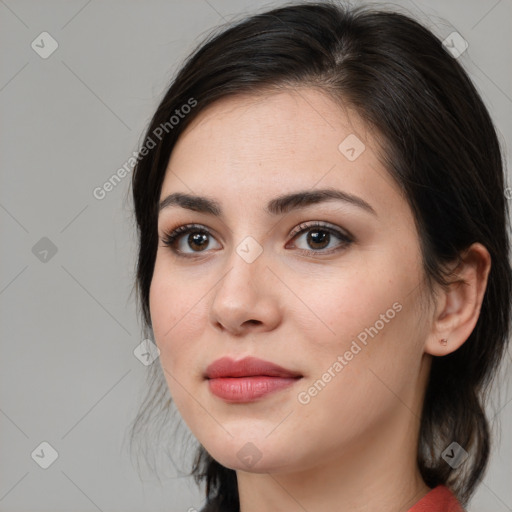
[(170, 238)]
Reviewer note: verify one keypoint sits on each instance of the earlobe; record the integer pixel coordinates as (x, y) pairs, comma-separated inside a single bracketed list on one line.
[(459, 306)]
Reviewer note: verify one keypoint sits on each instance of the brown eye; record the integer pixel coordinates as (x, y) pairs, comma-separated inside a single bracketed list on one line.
[(197, 241), (319, 237)]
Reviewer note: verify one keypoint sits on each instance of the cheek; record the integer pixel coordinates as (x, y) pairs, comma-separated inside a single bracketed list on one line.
[(176, 319), (365, 373), (177, 316), (369, 318), (339, 306)]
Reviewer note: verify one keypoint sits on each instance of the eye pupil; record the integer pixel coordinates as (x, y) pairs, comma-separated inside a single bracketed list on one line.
[(319, 237), (201, 239)]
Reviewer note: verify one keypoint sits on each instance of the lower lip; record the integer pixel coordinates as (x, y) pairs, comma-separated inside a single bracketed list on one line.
[(247, 389)]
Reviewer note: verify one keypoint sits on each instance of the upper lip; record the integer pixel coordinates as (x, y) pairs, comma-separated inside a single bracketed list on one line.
[(246, 367)]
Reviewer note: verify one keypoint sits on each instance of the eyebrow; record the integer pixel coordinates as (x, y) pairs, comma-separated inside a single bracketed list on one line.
[(277, 206)]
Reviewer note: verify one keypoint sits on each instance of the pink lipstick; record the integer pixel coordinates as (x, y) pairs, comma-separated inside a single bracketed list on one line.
[(248, 379)]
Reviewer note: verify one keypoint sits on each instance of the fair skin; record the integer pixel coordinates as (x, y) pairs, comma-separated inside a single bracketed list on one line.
[(352, 447)]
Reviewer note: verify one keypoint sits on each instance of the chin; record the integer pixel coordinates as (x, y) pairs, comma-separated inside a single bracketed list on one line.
[(254, 456)]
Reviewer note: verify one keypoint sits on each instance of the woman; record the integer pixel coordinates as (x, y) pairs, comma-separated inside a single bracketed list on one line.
[(323, 263)]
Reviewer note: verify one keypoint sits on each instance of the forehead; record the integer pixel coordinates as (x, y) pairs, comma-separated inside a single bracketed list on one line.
[(298, 119), (257, 145)]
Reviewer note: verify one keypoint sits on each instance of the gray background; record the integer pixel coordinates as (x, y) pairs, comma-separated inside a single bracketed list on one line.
[(68, 323)]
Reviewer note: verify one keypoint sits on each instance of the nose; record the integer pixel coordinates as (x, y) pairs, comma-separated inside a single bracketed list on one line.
[(245, 300)]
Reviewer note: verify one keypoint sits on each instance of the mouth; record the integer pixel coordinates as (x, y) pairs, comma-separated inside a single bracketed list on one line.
[(248, 389), (247, 367), (247, 380)]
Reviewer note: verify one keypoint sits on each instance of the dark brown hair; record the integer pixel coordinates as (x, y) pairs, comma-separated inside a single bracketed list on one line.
[(439, 145)]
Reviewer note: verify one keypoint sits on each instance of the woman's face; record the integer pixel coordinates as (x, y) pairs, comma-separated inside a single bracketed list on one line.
[(338, 305)]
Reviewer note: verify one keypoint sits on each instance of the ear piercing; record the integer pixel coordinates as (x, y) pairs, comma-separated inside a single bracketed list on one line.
[(443, 341)]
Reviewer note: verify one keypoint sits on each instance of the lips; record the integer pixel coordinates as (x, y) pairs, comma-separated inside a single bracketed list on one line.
[(247, 367), (247, 380)]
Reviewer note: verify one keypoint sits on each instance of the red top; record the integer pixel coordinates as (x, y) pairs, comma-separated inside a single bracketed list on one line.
[(439, 499)]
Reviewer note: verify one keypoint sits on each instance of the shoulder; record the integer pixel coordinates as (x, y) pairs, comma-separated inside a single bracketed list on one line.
[(438, 499)]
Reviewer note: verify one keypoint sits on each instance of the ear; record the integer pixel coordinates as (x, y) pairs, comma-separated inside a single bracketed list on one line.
[(458, 307)]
